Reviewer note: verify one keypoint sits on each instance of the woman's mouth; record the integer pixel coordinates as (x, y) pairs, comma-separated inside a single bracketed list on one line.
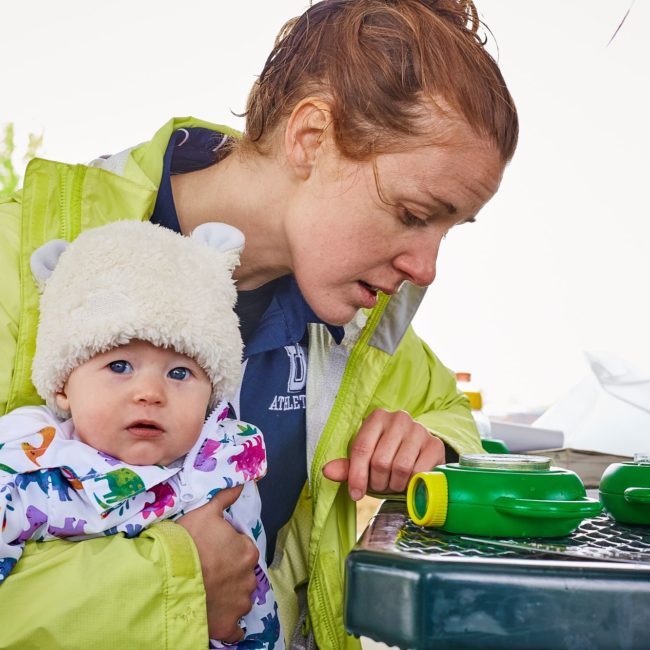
[(368, 295)]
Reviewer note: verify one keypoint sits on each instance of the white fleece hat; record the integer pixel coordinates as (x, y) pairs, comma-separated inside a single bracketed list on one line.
[(135, 280)]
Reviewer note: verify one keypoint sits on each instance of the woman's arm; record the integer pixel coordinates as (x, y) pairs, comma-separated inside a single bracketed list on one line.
[(144, 593), (416, 381), (416, 408)]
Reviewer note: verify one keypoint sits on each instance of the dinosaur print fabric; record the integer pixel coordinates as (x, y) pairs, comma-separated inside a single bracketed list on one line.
[(54, 486)]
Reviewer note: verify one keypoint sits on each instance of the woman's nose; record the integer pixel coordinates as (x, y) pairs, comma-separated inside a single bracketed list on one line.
[(418, 264)]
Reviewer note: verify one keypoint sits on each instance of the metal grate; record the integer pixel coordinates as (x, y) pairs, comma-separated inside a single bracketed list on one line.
[(600, 538)]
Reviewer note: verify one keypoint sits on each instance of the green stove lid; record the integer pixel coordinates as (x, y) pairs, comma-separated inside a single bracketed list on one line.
[(625, 490), (510, 462), (620, 476)]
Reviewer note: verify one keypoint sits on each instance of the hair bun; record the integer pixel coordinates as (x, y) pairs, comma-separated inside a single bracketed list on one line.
[(461, 13)]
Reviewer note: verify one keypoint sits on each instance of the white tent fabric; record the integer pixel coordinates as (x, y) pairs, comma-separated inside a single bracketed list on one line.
[(608, 411)]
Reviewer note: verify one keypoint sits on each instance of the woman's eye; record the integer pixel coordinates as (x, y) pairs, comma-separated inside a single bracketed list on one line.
[(120, 367), (179, 373), (411, 220)]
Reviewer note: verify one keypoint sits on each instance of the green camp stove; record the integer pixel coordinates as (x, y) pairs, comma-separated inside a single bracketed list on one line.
[(421, 587), (500, 495)]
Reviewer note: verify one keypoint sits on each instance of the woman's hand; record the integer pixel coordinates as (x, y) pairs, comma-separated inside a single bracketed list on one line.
[(228, 560), (388, 449)]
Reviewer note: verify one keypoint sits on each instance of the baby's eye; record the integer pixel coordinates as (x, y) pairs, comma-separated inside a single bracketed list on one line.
[(179, 373), (121, 367)]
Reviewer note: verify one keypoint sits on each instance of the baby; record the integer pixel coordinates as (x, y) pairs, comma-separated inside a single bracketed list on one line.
[(137, 342)]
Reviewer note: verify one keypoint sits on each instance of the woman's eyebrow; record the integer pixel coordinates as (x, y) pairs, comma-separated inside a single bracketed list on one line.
[(450, 207)]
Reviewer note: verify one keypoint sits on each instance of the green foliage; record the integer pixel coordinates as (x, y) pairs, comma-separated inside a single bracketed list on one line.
[(9, 177)]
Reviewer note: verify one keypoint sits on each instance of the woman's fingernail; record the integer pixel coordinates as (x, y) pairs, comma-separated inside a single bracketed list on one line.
[(356, 494)]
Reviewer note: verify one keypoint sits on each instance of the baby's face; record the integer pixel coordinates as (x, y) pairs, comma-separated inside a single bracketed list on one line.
[(139, 403)]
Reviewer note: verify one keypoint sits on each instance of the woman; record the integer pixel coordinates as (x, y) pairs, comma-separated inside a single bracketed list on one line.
[(375, 127)]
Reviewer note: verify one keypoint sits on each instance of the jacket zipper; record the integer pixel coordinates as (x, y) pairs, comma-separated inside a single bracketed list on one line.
[(63, 219), (350, 369), (70, 218)]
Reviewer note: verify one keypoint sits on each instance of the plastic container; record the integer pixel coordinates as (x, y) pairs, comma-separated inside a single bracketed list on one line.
[(625, 490), (501, 496), (473, 393)]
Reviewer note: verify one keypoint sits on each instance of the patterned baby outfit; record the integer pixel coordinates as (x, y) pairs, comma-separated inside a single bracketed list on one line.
[(52, 485)]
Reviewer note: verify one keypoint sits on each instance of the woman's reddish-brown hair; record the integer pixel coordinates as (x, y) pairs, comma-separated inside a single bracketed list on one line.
[(378, 62)]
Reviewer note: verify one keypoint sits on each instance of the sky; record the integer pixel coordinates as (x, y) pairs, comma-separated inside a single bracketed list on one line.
[(558, 262)]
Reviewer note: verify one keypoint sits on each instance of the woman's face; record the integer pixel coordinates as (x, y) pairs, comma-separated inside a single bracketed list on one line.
[(357, 228)]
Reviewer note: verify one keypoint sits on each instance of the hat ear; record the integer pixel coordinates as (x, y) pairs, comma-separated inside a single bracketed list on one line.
[(223, 238), (44, 260)]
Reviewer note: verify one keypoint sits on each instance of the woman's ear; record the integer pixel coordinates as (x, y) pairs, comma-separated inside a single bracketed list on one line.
[(305, 133), (62, 400)]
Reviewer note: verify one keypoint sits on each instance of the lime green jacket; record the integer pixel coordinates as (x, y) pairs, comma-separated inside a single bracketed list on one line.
[(148, 592)]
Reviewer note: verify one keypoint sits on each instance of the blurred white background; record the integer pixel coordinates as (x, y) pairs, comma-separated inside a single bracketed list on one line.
[(558, 262)]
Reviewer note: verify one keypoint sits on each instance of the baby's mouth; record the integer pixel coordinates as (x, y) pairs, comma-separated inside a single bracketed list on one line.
[(145, 429)]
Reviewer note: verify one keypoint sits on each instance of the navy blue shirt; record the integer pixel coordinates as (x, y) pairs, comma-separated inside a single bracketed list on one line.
[(273, 324)]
